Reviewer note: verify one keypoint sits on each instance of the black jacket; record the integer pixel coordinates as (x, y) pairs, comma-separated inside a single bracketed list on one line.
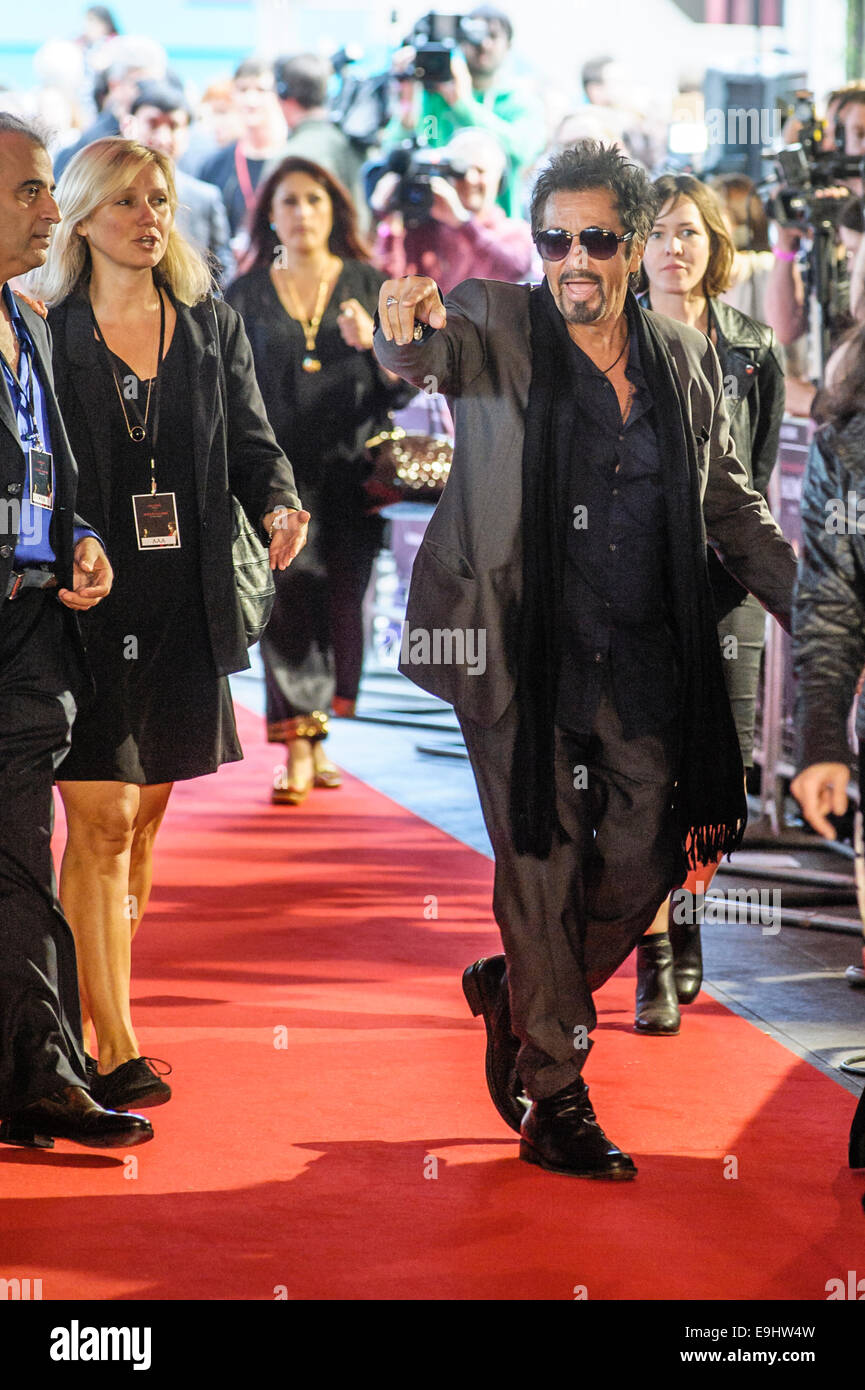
[(829, 602), (12, 469), (235, 449), (753, 373), (754, 390)]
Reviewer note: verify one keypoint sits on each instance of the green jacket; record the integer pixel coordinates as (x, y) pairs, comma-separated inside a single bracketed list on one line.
[(510, 111)]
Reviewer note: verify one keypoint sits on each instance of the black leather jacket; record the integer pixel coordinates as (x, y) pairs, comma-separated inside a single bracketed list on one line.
[(829, 603), (754, 389)]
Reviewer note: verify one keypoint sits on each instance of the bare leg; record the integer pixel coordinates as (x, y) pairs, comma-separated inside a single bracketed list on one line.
[(698, 880), (94, 887), (299, 762), (152, 805)]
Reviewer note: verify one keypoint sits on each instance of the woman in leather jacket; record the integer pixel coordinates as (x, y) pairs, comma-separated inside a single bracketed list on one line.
[(686, 266)]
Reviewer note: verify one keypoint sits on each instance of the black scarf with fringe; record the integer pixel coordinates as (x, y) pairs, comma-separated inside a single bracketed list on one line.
[(708, 804)]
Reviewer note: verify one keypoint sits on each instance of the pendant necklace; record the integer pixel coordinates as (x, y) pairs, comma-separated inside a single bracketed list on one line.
[(311, 326), (138, 431)]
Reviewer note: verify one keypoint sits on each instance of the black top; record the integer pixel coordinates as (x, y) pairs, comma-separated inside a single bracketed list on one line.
[(233, 448), (615, 587), (160, 713), (321, 419)]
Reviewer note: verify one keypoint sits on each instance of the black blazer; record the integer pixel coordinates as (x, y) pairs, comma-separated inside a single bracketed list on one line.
[(12, 471), (235, 450)]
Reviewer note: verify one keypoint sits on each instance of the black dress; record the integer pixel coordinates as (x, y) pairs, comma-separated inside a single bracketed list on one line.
[(313, 646), (160, 711)]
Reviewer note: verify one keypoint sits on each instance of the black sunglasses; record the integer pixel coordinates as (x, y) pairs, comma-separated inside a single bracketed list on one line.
[(599, 243)]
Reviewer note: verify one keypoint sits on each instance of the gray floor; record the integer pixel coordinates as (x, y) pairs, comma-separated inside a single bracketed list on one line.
[(788, 982)]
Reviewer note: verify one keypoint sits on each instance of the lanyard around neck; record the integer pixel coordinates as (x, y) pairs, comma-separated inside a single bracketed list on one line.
[(27, 398), (148, 427)]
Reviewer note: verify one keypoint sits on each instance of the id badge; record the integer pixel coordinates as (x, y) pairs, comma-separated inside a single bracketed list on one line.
[(40, 471), (156, 523)]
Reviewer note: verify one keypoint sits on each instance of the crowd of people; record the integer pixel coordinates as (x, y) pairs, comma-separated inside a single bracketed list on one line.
[(226, 301)]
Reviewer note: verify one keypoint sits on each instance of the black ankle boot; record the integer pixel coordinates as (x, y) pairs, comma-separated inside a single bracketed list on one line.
[(657, 1009), (687, 959)]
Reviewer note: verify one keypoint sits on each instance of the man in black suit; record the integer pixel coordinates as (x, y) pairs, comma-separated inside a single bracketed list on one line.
[(51, 565), (560, 602)]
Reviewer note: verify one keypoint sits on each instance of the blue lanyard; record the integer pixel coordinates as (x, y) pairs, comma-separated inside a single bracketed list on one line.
[(27, 399)]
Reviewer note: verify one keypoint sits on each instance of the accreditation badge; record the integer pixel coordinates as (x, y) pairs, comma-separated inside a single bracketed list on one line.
[(156, 524), (40, 478)]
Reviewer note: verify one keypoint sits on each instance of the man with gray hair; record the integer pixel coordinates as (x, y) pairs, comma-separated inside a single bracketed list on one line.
[(465, 232), (592, 457), (51, 566)]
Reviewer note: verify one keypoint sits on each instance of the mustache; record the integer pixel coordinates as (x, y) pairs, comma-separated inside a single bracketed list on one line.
[(576, 276)]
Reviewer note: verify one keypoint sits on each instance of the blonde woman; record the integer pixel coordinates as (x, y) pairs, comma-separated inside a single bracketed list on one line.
[(158, 394)]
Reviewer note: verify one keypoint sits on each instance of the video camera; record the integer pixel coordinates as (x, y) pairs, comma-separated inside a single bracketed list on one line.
[(434, 38), (361, 107), (417, 166), (792, 198)]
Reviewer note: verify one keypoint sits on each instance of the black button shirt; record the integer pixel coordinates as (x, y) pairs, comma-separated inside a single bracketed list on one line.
[(616, 593)]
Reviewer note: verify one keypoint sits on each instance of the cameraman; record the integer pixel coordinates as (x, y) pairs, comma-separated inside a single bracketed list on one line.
[(465, 233), (479, 93), (786, 306)]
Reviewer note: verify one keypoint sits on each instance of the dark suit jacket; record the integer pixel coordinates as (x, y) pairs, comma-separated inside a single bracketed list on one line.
[(13, 470), (235, 449), (468, 572)]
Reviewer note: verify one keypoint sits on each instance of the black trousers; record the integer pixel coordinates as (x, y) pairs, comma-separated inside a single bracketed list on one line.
[(568, 921), (40, 1015), (312, 648), (746, 623)]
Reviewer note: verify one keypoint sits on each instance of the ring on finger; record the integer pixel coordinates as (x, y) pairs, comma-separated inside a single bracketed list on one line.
[(391, 299)]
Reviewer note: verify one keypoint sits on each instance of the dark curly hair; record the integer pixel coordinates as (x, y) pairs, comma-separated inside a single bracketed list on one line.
[(345, 239), (590, 164)]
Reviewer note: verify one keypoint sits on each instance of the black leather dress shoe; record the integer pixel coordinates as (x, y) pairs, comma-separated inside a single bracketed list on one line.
[(562, 1135), (687, 959), (657, 1010), (485, 986), (71, 1114), (134, 1085)]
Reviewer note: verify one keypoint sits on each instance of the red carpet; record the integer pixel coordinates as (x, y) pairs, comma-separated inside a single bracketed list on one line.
[(331, 1136)]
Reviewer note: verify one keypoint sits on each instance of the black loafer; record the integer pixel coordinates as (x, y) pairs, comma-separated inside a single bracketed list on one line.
[(134, 1085), (561, 1134), (485, 986), (72, 1114)]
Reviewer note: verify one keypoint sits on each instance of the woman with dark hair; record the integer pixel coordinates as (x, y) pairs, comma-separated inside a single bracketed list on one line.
[(307, 301), (686, 266)]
